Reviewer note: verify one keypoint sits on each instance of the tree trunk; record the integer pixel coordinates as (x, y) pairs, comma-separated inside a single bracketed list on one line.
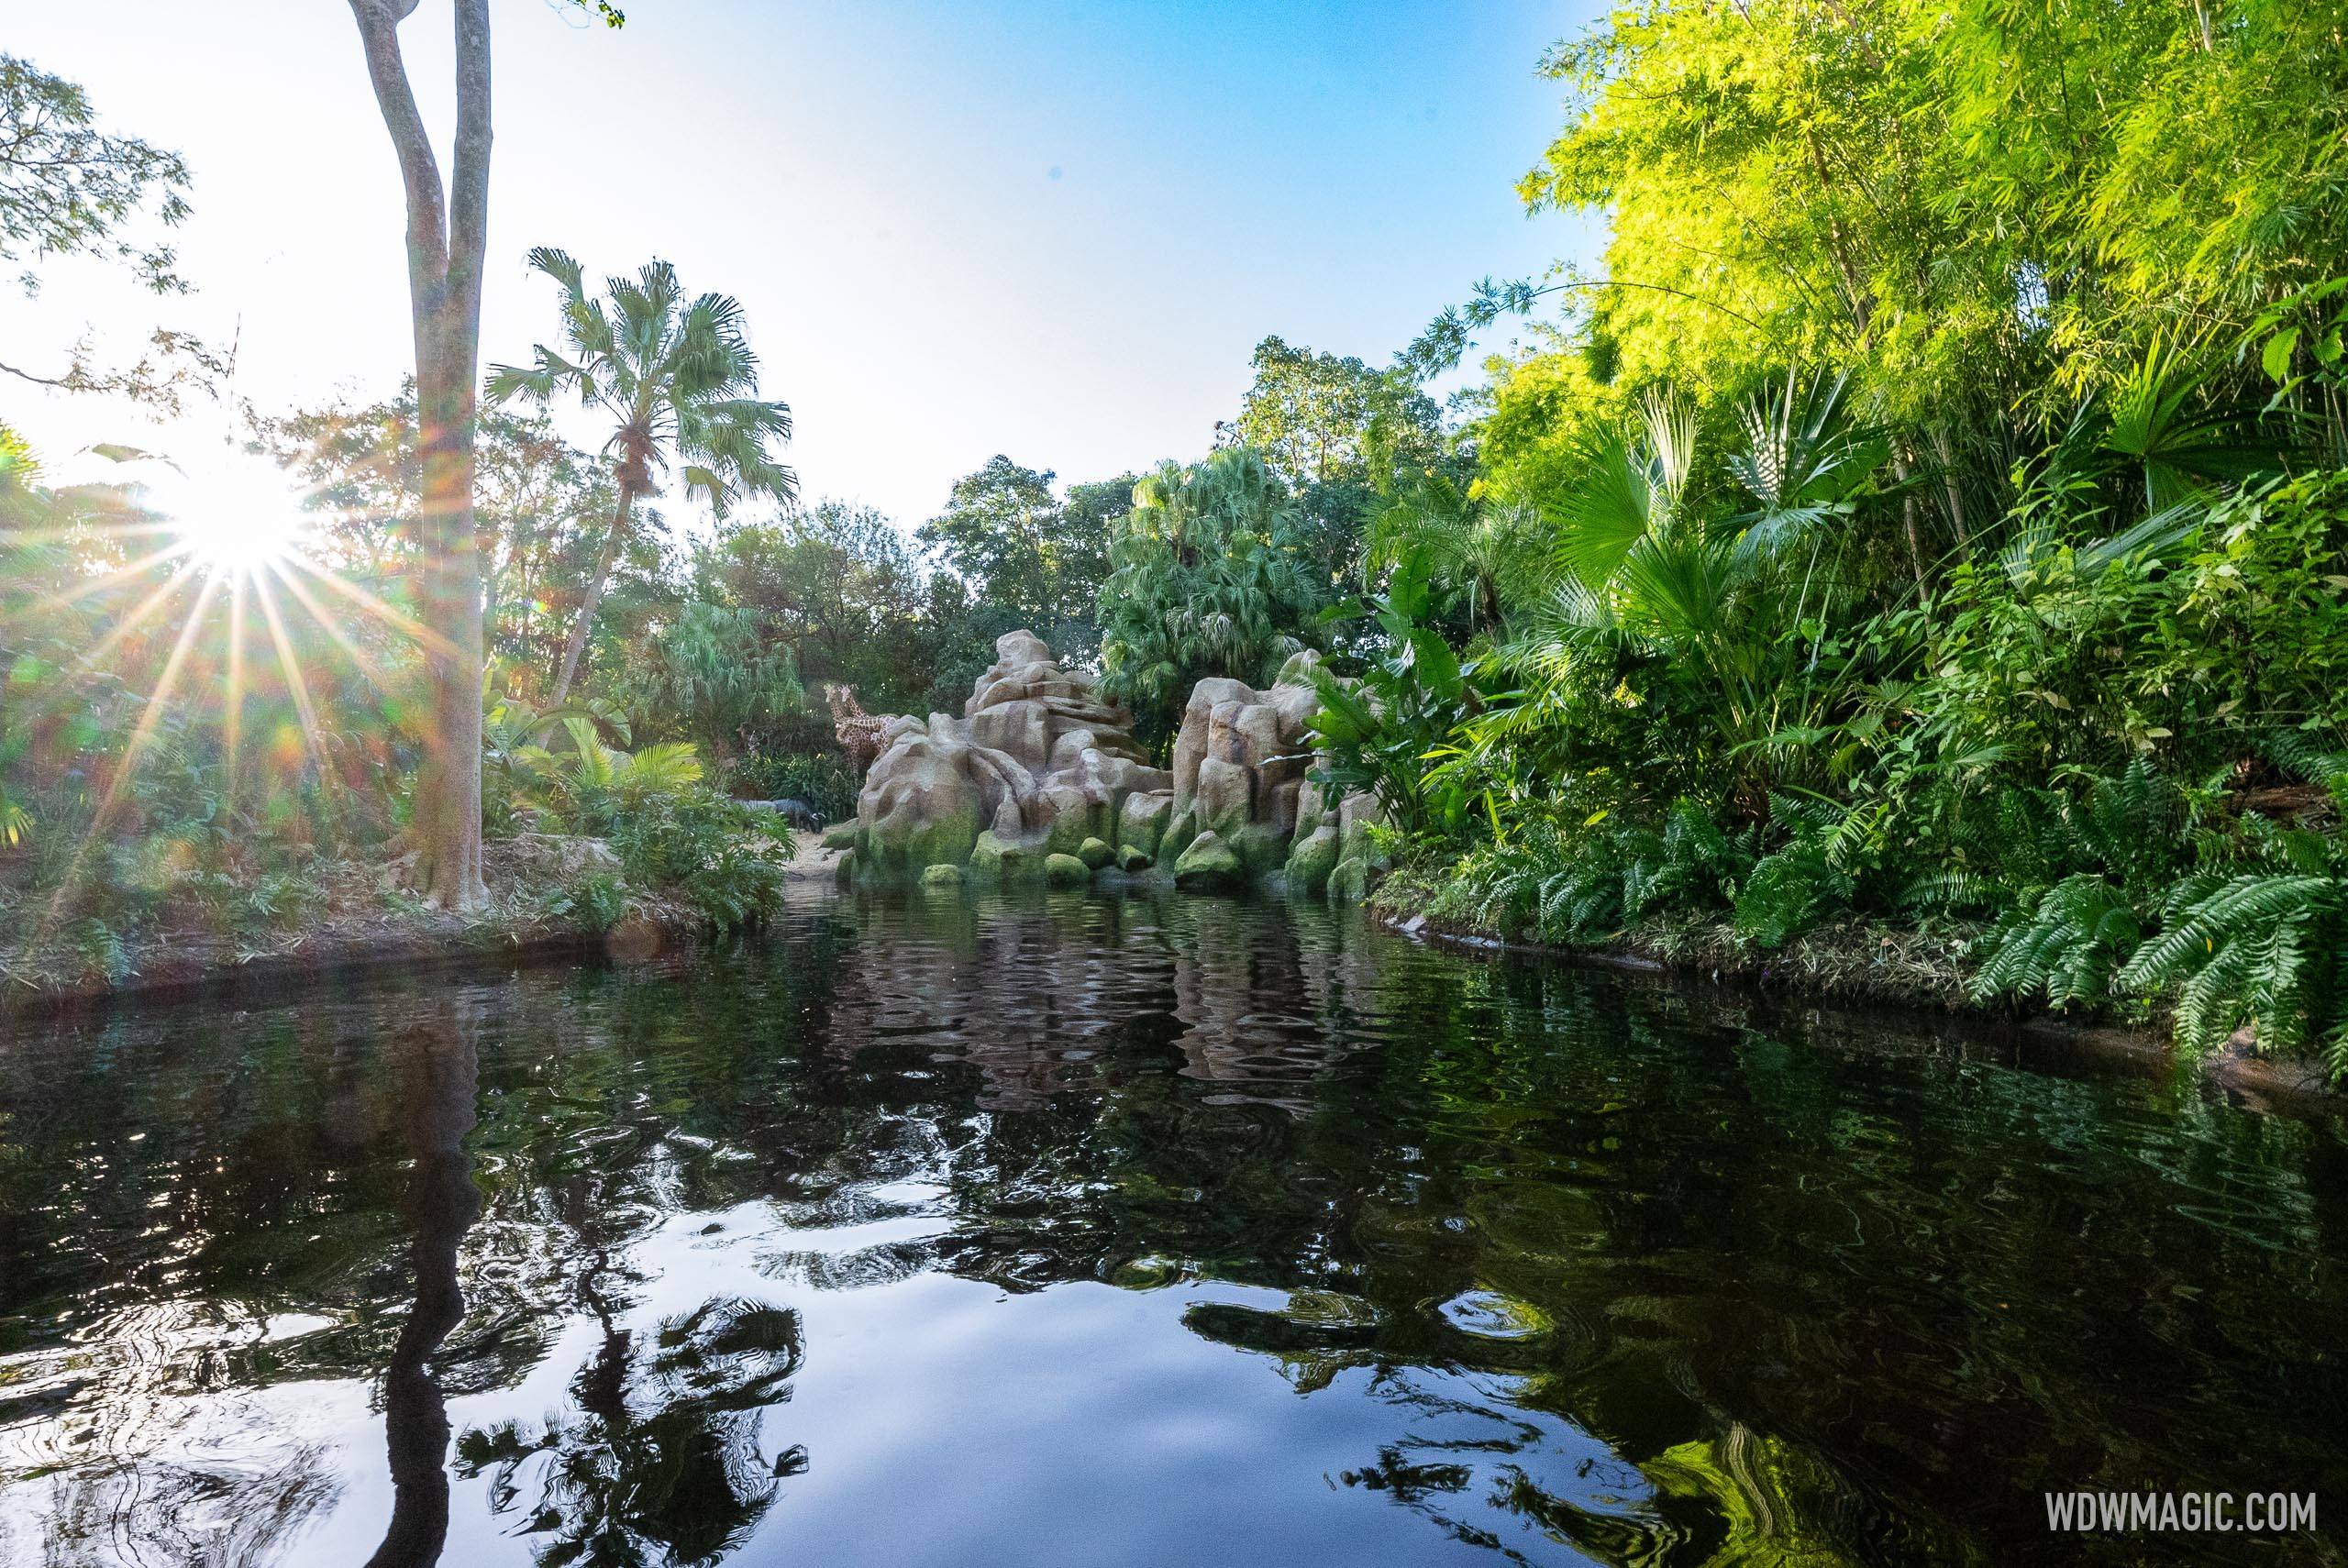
[(606, 560), (1905, 474), (446, 233)]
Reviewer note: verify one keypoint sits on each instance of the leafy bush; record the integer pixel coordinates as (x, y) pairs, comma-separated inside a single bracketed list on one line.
[(2262, 949), (1559, 883), (724, 860), (1378, 735), (823, 779), (2254, 935), (2068, 947), (1790, 890), (596, 901)]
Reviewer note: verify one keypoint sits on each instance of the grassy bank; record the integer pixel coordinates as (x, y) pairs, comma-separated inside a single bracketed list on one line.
[(1857, 960)]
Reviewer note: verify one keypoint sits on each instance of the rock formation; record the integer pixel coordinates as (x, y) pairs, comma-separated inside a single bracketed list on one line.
[(1242, 804), (1035, 767), (1039, 776)]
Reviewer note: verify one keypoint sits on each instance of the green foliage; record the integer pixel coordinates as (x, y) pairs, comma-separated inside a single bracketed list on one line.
[(843, 593), (1794, 886), (2067, 948), (596, 903), (1207, 578), (1380, 734), (1578, 883), (821, 779), (1035, 559), (70, 189), (711, 675), (2260, 949), (727, 862)]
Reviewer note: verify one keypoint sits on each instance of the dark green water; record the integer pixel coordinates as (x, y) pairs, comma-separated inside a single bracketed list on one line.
[(1093, 1230)]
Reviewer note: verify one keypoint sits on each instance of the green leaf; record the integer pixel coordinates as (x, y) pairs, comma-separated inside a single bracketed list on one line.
[(2276, 358), (1437, 666)]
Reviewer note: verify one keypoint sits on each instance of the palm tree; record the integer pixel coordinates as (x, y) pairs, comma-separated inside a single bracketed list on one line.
[(1734, 604), (679, 378), (1206, 577), (1487, 552)]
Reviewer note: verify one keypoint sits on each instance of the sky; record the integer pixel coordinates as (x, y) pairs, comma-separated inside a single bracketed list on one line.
[(1050, 230)]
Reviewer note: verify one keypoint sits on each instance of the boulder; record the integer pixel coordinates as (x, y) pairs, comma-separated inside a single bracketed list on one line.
[(1181, 827), (1037, 767), (1208, 862), (941, 876), (1067, 870), (1240, 760), (1142, 822), (992, 857), (1036, 764), (1349, 882), (1311, 858)]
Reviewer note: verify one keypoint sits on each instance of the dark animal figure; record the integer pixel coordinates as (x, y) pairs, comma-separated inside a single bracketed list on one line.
[(797, 813)]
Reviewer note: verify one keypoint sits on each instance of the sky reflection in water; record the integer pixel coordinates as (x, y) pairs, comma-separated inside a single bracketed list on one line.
[(1096, 1230)]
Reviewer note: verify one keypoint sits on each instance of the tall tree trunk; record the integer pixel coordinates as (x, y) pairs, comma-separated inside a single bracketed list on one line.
[(606, 560), (446, 233)]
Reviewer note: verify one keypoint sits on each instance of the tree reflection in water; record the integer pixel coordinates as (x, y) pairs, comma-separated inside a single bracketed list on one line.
[(440, 1069), (661, 1462)]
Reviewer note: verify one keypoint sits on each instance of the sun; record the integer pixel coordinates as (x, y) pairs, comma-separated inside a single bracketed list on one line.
[(235, 513)]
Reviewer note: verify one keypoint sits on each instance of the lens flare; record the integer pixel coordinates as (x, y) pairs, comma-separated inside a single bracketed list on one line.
[(236, 514)]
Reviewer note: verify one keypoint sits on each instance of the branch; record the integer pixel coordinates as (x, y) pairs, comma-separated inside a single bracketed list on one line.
[(469, 190), (1444, 342), (67, 382), (428, 224), (175, 363)]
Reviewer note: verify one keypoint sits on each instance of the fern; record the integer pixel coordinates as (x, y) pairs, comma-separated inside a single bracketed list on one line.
[(2067, 949), (2260, 950)]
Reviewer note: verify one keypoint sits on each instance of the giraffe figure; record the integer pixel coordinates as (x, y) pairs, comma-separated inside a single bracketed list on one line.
[(858, 731)]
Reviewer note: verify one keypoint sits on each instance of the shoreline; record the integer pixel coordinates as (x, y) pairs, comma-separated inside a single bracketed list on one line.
[(175, 966), (2295, 1082), (1923, 999)]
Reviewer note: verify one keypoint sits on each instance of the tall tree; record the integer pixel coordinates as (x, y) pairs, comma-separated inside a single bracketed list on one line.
[(840, 587), (447, 230), (1337, 433), (1209, 577), (1315, 418), (678, 378), (1027, 557), (535, 497)]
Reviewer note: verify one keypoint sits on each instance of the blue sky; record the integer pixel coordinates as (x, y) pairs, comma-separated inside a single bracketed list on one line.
[(1053, 230)]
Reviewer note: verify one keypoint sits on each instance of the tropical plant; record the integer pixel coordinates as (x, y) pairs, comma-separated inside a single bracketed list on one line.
[(1483, 551), (711, 673), (1381, 734), (2263, 949), (679, 381), (1205, 579)]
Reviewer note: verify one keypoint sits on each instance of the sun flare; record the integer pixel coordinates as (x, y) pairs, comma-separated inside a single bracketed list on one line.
[(236, 513)]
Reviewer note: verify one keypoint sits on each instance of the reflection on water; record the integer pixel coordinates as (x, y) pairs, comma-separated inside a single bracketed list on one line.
[(1083, 1230)]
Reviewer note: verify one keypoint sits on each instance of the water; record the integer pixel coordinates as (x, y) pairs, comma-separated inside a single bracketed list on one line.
[(1091, 1231)]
